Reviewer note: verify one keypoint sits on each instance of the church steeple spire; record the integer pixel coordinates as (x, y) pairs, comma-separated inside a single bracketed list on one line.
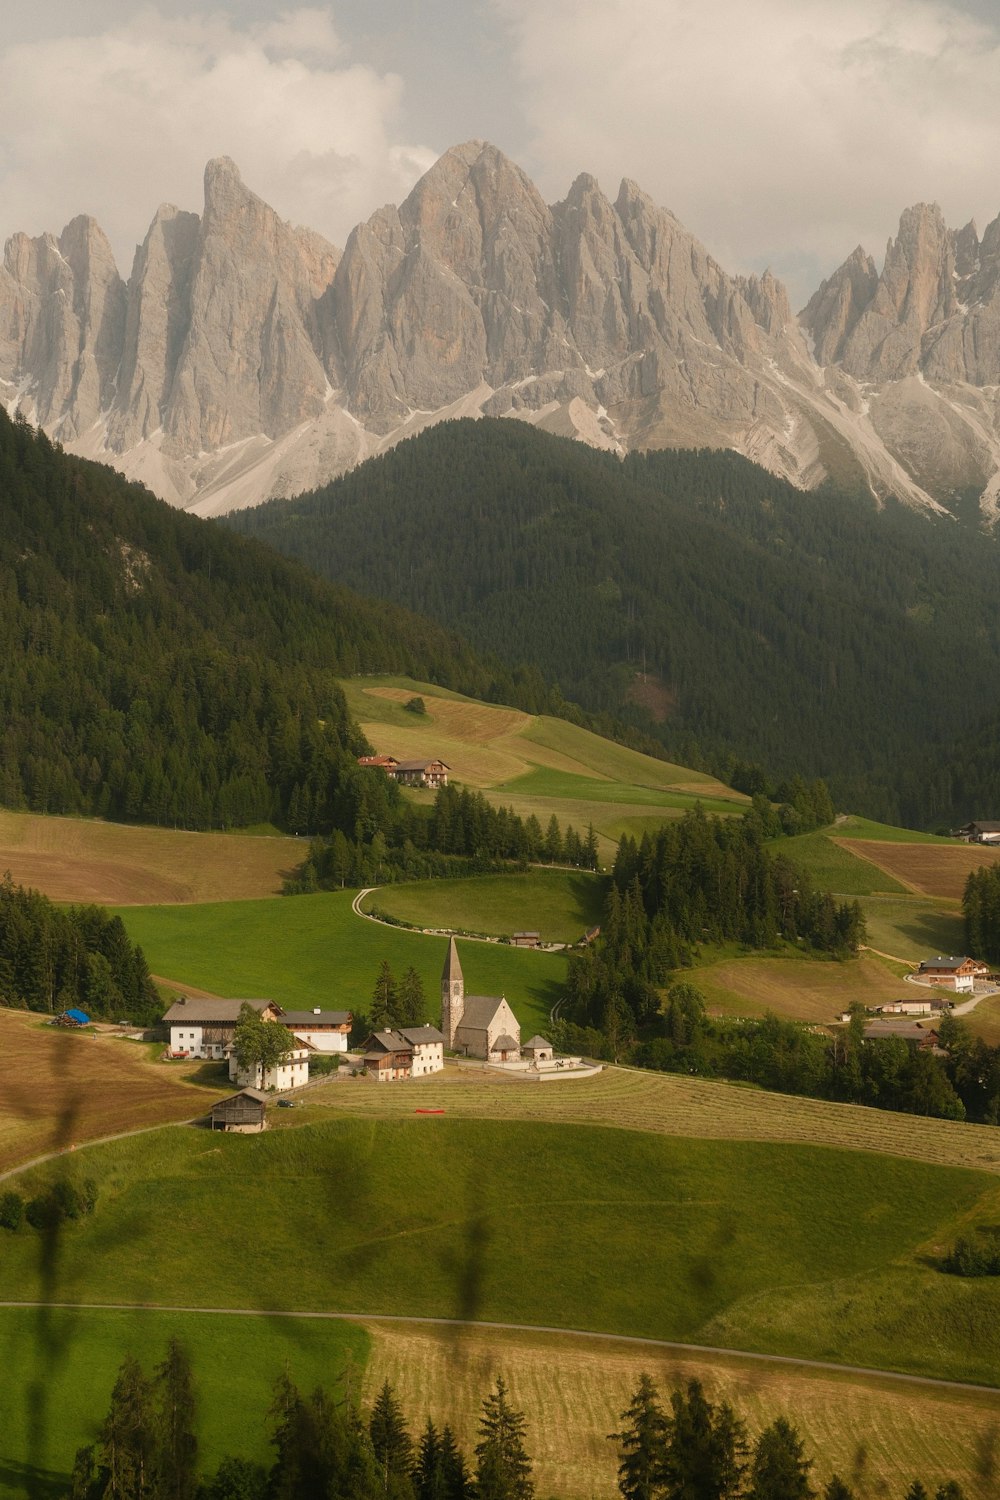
[(452, 994)]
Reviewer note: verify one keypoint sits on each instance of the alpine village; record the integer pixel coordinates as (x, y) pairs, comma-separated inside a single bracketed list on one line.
[(500, 850)]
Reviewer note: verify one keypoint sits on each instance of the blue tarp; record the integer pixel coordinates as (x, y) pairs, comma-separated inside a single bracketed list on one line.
[(80, 1017)]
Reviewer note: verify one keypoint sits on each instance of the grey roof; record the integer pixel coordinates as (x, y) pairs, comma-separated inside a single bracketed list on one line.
[(985, 827), (537, 1041), (420, 1035), (480, 1010), (311, 1018), (420, 765), (257, 1094), (504, 1043), (389, 1041), (908, 1030), (209, 1012), (452, 971), (944, 963)]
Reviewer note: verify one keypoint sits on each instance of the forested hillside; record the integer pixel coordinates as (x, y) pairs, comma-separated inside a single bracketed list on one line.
[(694, 594), (155, 667)]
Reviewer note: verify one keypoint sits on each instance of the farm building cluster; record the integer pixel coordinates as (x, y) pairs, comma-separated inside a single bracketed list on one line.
[(428, 773), (979, 833)]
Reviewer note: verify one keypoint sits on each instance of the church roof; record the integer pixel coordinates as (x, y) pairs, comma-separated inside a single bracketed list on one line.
[(479, 1012), (452, 971)]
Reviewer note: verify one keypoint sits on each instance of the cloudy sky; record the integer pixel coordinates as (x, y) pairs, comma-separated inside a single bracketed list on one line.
[(781, 132)]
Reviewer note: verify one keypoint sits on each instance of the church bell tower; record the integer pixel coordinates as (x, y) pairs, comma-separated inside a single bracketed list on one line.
[(452, 994)]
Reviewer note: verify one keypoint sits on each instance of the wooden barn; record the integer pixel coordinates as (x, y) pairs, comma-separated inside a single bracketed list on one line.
[(244, 1112)]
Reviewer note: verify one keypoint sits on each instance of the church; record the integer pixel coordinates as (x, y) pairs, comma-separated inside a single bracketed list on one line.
[(476, 1025)]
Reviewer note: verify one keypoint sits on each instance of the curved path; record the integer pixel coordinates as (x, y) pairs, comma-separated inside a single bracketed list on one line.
[(827, 1366), (467, 937)]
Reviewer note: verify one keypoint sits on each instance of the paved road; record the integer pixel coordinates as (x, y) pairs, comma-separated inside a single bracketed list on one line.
[(693, 1350)]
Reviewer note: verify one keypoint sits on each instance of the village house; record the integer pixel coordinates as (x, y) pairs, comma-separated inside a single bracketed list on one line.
[(404, 1052), (291, 1073), (385, 763), (324, 1030), (204, 1028), (245, 1112), (956, 973), (429, 773), (922, 1038), (980, 833)]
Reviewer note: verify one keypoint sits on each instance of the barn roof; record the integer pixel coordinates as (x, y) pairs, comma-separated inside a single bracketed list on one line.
[(420, 1035), (207, 1012)]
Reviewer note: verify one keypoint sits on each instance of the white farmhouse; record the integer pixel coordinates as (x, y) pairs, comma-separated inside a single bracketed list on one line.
[(204, 1028), (325, 1030), (291, 1073)]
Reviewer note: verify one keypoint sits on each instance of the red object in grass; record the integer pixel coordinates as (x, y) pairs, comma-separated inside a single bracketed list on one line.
[(428, 1111)]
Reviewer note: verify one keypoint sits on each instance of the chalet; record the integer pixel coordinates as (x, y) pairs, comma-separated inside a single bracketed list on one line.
[(430, 773), (476, 1025), (204, 1028), (922, 1038), (323, 1030), (291, 1073), (957, 973), (388, 1056), (405, 1052), (980, 833), (245, 1112)]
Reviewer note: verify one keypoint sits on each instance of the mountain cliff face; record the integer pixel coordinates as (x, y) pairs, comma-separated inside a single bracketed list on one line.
[(246, 358)]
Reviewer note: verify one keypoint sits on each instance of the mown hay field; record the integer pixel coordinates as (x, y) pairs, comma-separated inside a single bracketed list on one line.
[(62, 1088), (938, 870), (833, 866), (671, 1104), (912, 928), (111, 864), (801, 989), (877, 1433)]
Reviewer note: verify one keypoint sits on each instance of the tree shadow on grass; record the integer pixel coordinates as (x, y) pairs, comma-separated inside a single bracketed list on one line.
[(28, 1479)]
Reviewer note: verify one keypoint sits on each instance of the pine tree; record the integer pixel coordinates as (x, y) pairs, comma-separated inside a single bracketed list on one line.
[(705, 1448), (641, 1444), (411, 1003), (126, 1440), (383, 1007), (176, 1444), (391, 1441), (779, 1471), (503, 1468)]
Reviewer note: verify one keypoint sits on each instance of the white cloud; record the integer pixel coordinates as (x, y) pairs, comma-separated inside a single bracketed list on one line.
[(781, 130), (116, 123)]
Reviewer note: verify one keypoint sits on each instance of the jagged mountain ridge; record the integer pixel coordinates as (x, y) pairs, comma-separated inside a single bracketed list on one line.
[(245, 358)]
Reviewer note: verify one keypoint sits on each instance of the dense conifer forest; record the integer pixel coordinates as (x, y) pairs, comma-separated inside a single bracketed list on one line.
[(694, 595), (153, 667), (54, 959)]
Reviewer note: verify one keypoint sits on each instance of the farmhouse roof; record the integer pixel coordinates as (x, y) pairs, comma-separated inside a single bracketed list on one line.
[(307, 1018), (421, 765), (200, 1012), (944, 963), (388, 1041), (983, 827), (420, 1036)]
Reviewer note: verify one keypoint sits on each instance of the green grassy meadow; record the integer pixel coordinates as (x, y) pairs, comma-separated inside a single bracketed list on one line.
[(913, 926), (305, 951), (760, 1239), (67, 1361), (559, 904), (835, 869)]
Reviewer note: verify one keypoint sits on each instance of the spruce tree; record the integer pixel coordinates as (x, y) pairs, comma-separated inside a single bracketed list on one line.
[(126, 1443), (641, 1444), (176, 1444), (705, 1448), (384, 1002), (779, 1471), (391, 1441), (503, 1468)]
